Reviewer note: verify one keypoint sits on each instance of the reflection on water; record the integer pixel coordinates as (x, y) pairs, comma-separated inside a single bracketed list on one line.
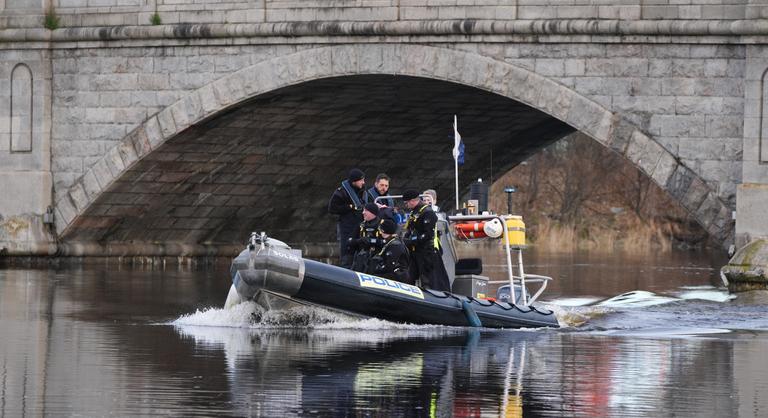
[(98, 342), (601, 275)]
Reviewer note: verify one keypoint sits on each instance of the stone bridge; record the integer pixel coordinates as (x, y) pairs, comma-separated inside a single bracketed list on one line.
[(177, 127)]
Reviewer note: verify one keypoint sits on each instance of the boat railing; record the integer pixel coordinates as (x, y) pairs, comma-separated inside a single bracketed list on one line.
[(444, 226), (529, 278), (394, 196), (521, 277)]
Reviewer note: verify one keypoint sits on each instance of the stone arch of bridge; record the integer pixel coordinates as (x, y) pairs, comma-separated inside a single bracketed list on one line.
[(434, 63)]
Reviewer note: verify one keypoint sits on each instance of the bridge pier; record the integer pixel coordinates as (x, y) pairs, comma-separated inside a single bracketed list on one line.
[(26, 182), (751, 210), (748, 268)]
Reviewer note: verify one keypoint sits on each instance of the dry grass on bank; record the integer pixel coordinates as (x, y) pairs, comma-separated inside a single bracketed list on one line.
[(638, 239)]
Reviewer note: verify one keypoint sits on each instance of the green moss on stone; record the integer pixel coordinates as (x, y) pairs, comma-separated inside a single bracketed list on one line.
[(748, 269)]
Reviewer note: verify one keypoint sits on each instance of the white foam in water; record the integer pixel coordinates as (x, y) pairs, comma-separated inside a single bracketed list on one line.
[(251, 315), (575, 316), (670, 332), (705, 292), (240, 315), (582, 301), (637, 299)]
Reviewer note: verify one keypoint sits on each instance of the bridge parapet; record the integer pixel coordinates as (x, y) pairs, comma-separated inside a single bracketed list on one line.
[(75, 13)]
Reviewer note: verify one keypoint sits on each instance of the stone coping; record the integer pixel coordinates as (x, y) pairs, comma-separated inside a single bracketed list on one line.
[(621, 28)]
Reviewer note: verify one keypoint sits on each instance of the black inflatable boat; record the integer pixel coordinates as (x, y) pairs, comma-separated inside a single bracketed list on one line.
[(268, 268)]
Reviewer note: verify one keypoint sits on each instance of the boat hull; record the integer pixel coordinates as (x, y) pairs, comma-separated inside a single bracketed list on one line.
[(287, 275)]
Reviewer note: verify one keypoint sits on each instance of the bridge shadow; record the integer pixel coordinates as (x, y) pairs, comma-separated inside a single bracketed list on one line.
[(272, 162)]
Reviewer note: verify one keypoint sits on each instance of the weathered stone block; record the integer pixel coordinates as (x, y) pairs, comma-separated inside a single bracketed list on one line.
[(535, 12), (103, 174), (624, 12), (646, 104), (167, 123), (154, 133), (695, 194), (78, 197), (590, 118), (574, 67), (153, 82), (664, 169), (708, 210), (114, 162), (576, 12), (127, 152), (555, 100), (732, 11), (690, 12), (724, 126), (65, 212), (91, 184), (683, 125), (698, 105), (550, 67)]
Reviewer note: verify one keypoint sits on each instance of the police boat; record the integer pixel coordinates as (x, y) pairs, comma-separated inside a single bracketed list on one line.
[(276, 276)]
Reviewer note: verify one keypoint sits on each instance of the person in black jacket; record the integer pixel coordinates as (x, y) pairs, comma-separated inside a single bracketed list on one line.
[(367, 240), (381, 188), (422, 240), (347, 203), (392, 260)]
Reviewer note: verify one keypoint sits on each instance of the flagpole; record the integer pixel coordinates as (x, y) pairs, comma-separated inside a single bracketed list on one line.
[(456, 143), (456, 167)]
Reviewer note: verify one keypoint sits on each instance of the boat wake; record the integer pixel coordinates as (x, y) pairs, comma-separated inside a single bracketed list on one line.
[(690, 310), (251, 315), (687, 310)]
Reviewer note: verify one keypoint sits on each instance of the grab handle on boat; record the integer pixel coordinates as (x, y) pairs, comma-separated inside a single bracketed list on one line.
[(394, 197), (469, 312)]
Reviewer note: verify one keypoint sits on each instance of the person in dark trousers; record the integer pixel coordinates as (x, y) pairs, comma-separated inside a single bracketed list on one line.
[(347, 203), (422, 240), (392, 260), (367, 240)]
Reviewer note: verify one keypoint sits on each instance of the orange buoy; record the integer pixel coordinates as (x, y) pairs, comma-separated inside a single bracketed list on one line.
[(464, 234), (470, 227)]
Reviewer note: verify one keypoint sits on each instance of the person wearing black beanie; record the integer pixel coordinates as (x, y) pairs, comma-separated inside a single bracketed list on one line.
[(355, 174), (373, 208), (347, 203), (424, 244), (367, 240)]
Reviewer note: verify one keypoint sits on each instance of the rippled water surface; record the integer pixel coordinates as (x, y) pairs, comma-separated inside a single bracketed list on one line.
[(642, 336)]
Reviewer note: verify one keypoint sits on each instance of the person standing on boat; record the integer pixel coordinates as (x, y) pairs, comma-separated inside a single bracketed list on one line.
[(368, 239), (387, 207), (430, 198), (347, 203), (380, 188), (422, 240), (392, 260)]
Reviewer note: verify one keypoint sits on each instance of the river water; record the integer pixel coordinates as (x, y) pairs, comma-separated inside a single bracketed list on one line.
[(106, 340)]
